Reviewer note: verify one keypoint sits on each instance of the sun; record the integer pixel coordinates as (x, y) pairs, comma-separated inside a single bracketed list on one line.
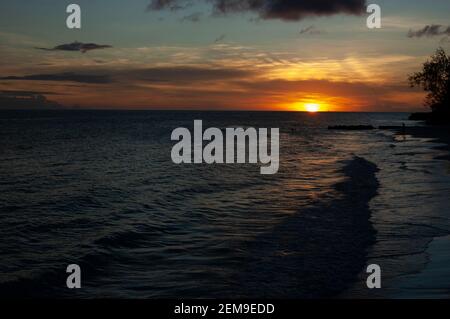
[(312, 107)]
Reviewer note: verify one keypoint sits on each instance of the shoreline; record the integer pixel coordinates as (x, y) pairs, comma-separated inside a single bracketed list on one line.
[(406, 268), (440, 134), (432, 281)]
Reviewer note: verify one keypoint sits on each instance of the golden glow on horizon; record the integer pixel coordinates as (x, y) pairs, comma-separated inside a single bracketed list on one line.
[(312, 107), (313, 103)]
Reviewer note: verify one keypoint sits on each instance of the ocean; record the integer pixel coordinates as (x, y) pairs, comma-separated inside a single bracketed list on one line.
[(99, 189)]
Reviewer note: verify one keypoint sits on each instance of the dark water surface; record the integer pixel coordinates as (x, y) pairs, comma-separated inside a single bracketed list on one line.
[(99, 189)]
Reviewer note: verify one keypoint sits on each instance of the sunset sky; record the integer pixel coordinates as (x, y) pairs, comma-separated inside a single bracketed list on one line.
[(221, 54)]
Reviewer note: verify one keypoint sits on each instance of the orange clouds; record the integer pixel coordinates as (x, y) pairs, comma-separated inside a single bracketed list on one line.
[(220, 76)]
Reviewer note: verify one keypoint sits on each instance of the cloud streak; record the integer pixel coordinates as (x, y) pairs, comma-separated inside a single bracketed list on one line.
[(432, 30), (175, 75), (26, 100), (287, 10), (62, 77), (77, 47), (183, 74), (310, 30)]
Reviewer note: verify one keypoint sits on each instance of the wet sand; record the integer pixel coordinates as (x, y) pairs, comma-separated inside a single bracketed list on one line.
[(433, 282), (440, 133)]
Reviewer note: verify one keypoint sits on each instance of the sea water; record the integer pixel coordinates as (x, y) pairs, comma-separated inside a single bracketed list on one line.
[(99, 189)]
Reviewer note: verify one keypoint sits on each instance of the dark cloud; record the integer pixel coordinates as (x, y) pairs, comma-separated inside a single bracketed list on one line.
[(77, 46), (169, 75), (63, 77), (184, 74), (25, 100), (171, 5), (290, 10), (25, 93), (310, 30), (430, 31)]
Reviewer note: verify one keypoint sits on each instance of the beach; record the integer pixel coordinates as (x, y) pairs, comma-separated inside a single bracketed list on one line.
[(413, 242), (432, 282), (439, 134)]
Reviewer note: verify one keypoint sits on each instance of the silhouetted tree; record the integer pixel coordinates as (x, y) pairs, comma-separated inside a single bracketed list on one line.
[(435, 79)]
